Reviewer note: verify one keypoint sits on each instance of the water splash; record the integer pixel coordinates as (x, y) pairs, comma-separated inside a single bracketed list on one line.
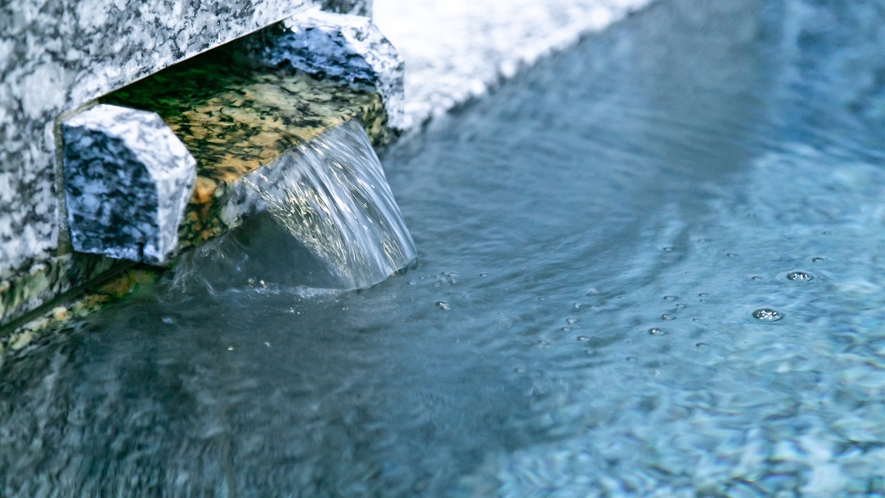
[(332, 196)]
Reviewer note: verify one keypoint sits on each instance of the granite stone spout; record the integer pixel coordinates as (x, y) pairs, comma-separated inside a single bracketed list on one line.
[(127, 180)]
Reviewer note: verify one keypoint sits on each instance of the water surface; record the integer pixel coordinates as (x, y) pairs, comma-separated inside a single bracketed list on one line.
[(653, 265)]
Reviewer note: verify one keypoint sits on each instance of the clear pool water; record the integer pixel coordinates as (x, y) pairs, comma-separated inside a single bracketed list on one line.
[(654, 265)]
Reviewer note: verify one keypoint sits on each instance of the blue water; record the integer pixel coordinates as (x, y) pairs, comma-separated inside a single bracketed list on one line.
[(596, 241)]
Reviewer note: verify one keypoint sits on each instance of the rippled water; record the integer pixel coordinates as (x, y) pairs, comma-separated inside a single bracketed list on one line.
[(602, 247)]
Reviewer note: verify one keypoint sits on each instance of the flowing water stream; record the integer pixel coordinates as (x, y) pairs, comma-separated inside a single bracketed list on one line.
[(654, 265), (332, 196), (327, 212)]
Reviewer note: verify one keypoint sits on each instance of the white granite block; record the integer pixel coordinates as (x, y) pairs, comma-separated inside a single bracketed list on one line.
[(127, 181)]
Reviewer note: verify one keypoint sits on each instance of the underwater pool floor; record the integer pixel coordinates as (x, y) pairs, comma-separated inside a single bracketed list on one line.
[(654, 265)]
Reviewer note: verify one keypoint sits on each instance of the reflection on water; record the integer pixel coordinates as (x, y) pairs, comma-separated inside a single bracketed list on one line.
[(604, 246)]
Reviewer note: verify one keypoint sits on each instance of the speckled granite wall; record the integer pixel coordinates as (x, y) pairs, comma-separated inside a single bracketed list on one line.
[(56, 55)]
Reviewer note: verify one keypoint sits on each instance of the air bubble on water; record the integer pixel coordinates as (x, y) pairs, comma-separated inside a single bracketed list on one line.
[(669, 298), (767, 315), (581, 338), (443, 305), (267, 344), (667, 316), (657, 331), (592, 292), (679, 306), (571, 321), (168, 320), (230, 348), (799, 275)]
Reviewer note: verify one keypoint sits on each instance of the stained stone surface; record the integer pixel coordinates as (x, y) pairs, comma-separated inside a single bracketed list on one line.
[(235, 118), (67, 312), (46, 279), (56, 55), (338, 46), (127, 181)]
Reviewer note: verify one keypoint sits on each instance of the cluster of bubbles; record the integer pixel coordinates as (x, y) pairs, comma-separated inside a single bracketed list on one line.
[(767, 315)]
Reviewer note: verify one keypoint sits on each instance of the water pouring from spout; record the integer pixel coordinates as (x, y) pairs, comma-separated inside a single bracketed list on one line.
[(332, 196)]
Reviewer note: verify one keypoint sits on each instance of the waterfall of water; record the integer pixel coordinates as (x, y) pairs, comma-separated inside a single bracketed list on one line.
[(332, 196)]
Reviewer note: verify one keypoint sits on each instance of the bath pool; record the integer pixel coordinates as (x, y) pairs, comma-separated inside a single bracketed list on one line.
[(596, 241)]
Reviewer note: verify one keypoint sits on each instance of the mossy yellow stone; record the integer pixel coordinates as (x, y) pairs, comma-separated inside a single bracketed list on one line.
[(235, 119)]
